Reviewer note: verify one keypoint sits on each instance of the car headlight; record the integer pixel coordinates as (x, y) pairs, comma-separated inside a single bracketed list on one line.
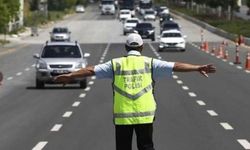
[(41, 65), (80, 65), (181, 42)]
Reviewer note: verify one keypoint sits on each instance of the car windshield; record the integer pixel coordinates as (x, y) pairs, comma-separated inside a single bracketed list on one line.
[(144, 25), (171, 35), (61, 51), (132, 21), (107, 2), (175, 26), (149, 12), (60, 30)]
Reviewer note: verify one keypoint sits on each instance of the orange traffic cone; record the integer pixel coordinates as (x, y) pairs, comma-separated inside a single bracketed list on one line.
[(247, 66), (206, 49)]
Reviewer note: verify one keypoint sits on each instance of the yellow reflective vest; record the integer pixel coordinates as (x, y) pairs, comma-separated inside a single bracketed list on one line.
[(133, 90)]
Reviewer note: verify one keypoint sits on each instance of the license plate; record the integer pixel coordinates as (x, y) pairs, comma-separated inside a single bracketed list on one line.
[(60, 71)]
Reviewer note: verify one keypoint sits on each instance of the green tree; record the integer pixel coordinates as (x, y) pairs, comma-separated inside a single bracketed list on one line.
[(13, 7), (4, 17)]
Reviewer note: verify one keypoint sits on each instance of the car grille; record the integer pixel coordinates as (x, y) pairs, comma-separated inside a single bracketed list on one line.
[(60, 66), (171, 44)]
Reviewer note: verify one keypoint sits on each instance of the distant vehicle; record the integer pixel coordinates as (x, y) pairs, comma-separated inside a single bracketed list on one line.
[(146, 30), (108, 7), (57, 58), (60, 34), (149, 15), (172, 40), (160, 9), (129, 25), (145, 5), (127, 4), (80, 9), (125, 14), (169, 25), (165, 17)]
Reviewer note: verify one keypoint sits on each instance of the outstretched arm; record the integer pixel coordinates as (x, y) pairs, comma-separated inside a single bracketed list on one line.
[(66, 78), (203, 69)]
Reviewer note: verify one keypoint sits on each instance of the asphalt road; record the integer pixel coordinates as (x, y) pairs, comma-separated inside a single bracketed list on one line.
[(194, 112)]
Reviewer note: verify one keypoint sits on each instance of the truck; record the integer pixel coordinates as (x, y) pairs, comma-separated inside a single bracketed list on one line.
[(145, 5), (108, 7), (127, 4)]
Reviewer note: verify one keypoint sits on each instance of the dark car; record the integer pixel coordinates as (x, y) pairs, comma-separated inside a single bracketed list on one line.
[(146, 30), (169, 25), (165, 17)]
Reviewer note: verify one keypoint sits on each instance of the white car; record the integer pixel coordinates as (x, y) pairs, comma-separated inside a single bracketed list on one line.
[(125, 14), (149, 15), (80, 9), (172, 40), (129, 25)]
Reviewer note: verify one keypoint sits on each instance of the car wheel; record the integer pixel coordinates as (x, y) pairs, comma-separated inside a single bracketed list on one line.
[(153, 38), (124, 33), (159, 50), (39, 84), (183, 50), (83, 84)]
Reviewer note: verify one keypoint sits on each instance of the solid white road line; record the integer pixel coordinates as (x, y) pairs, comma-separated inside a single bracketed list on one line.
[(201, 103), (82, 95), (67, 114), (9, 78), (179, 82), (40, 145), (244, 143), (19, 73), (226, 126), (56, 127), (185, 88), (87, 88), (76, 104), (212, 113), (91, 82), (191, 94)]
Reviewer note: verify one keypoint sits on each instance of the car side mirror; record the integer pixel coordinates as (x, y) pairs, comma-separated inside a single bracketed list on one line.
[(184, 36), (86, 55), (158, 37), (36, 56)]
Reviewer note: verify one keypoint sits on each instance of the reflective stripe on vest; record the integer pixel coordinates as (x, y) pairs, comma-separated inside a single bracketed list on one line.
[(133, 90)]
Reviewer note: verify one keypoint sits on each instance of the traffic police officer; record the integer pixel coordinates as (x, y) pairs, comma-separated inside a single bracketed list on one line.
[(133, 79)]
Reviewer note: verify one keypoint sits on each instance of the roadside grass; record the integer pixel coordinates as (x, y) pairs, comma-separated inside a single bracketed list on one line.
[(236, 25)]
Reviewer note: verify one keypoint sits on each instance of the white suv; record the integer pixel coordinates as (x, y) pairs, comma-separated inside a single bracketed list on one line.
[(172, 40), (58, 58), (129, 25)]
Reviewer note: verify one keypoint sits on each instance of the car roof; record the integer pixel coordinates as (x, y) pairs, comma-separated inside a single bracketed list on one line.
[(49, 43), (171, 31)]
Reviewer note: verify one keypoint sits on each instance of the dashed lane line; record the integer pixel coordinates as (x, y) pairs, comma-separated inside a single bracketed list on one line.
[(56, 128), (212, 113), (93, 77), (244, 143), (175, 76), (192, 94), (40, 145), (226, 126), (91, 82), (185, 88), (67, 114), (82, 95), (19, 73), (27, 69), (9, 78), (201, 103), (87, 88), (76, 104), (179, 82)]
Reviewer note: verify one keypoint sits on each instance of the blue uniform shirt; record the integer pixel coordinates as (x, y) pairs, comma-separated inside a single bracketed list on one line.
[(160, 68)]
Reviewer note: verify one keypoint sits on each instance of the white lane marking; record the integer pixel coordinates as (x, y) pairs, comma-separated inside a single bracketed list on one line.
[(179, 82), (201, 103), (87, 88), (91, 82), (19, 73), (231, 63), (101, 61), (212, 113), (56, 127), (191, 94), (185, 88), (27, 69), (76, 104), (33, 65), (9, 78), (67, 114), (93, 77), (82, 95), (239, 67), (247, 71), (40, 145), (224, 60), (159, 57), (226, 126), (244, 143), (175, 76)]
